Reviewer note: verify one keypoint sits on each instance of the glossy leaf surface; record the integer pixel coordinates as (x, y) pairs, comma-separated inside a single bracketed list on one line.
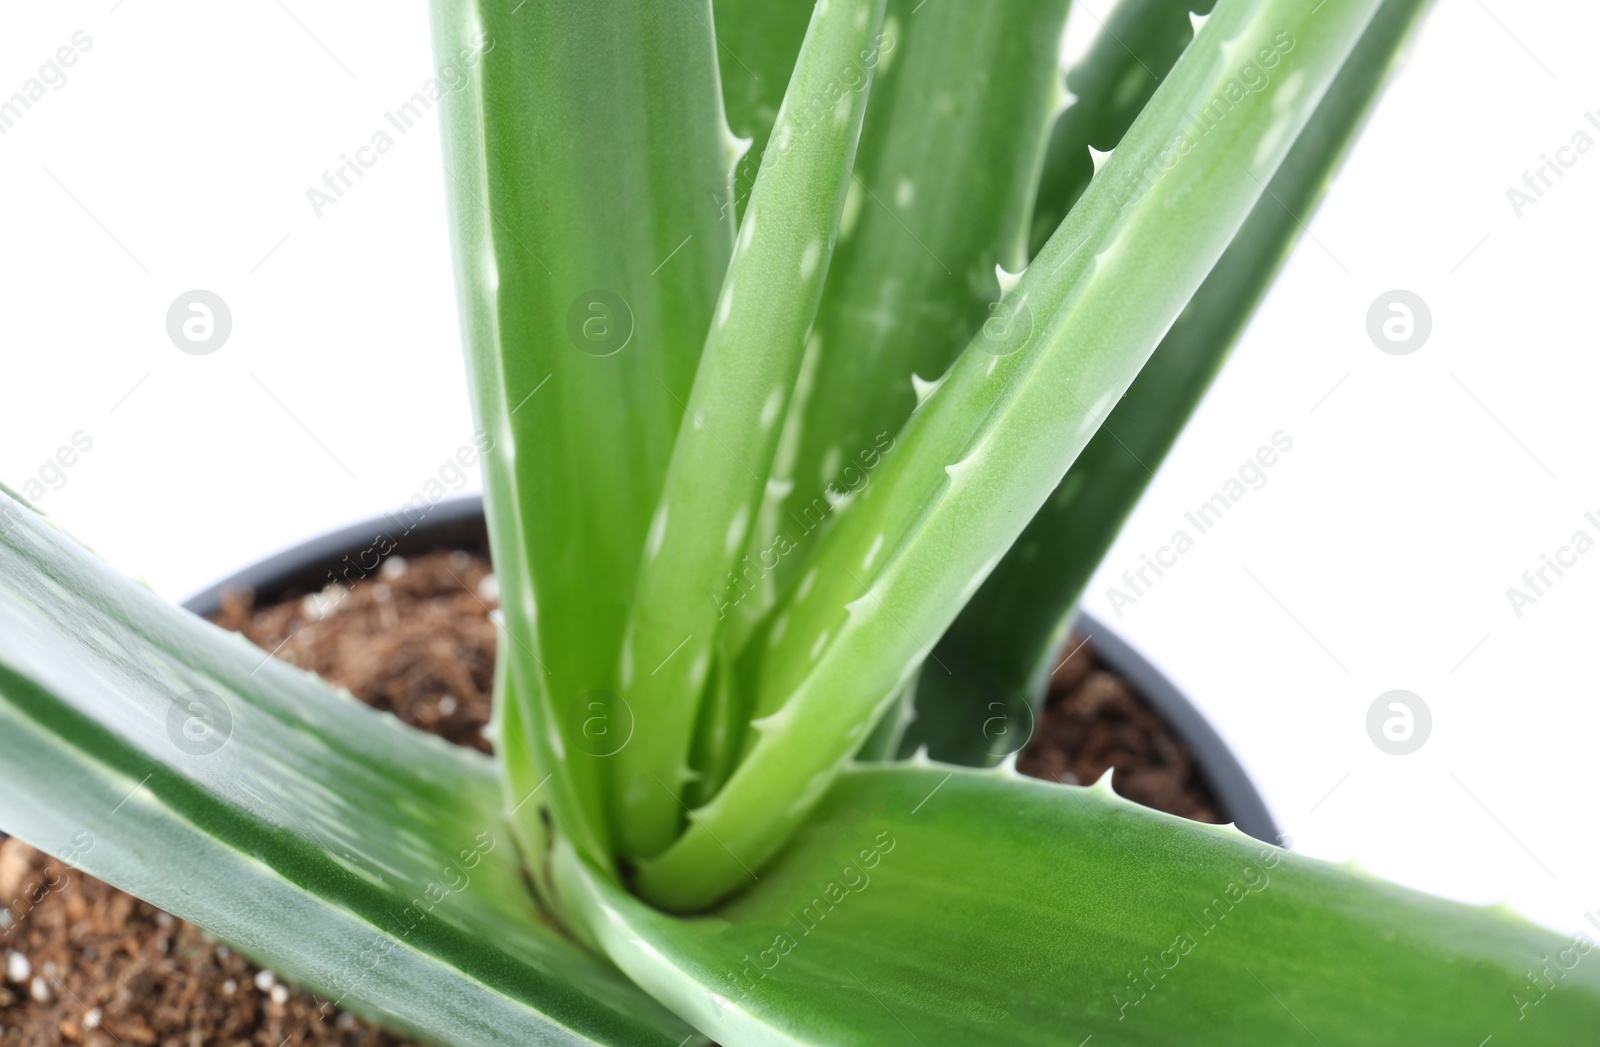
[(724, 451), (991, 669), (925, 905), (993, 439), (353, 855), (589, 248)]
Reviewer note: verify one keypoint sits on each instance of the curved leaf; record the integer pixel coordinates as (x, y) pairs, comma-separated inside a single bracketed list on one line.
[(928, 905), (355, 856)]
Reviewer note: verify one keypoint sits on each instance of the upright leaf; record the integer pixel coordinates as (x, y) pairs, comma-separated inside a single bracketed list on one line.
[(987, 446), (1134, 49), (992, 667), (949, 159), (585, 157), (759, 41), (723, 454)]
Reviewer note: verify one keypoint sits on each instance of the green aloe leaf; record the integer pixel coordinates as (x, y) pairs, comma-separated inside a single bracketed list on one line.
[(987, 446), (355, 856), (1134, 49), (759, 42), (924, 905), (589, 248), (723, 456), (961, 103), (992, 667)]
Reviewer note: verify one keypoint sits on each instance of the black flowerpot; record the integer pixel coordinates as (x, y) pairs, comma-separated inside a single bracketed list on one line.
[(351, 553)]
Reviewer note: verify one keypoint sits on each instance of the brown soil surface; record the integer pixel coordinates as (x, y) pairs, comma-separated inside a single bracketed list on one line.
[(87, 964), (1093, 722)]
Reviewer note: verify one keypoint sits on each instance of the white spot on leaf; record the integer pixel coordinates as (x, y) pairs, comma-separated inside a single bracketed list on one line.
[(852, 208), (770, 408), (830, 463), (658, 532), (737, 527), (809, 260)]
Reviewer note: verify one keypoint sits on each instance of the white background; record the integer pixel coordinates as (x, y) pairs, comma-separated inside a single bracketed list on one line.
[(1419, 488)]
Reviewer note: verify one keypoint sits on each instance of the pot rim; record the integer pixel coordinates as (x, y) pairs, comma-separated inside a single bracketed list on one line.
[(457, 521)]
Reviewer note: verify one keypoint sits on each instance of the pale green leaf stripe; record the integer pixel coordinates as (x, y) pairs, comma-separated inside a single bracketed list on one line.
[(931, 905), (585, 155), (985, 449), (992, 666), (351, 854), (723, 455)]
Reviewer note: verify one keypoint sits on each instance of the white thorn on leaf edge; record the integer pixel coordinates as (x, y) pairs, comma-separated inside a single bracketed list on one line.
[(1103, 783), (1100, 159), (865, 602), (925, 388), (774, 721), (1008, 280), (1198, 21), (957, 470), (737, 147)]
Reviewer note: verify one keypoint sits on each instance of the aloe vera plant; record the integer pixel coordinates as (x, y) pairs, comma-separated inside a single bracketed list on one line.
[(822, 352)]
